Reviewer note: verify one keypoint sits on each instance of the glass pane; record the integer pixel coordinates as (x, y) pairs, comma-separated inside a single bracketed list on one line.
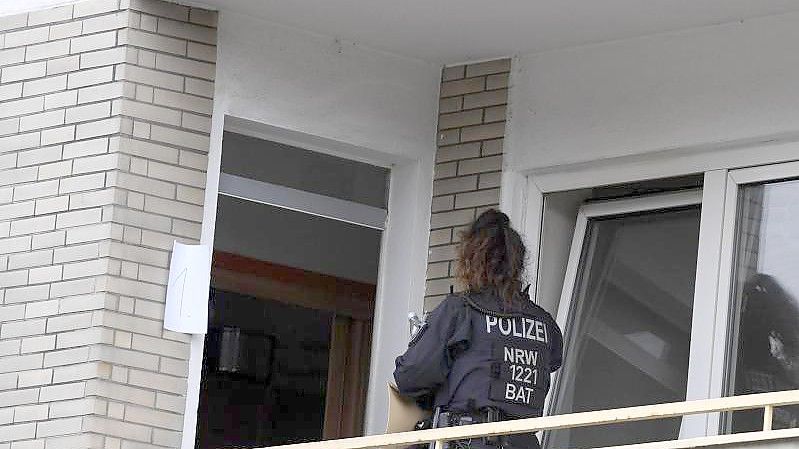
[(765, 333), (628, 334), (303, 169)]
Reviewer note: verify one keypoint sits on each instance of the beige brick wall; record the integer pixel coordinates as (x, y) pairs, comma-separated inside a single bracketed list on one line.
[(471, 127), (104, 119)]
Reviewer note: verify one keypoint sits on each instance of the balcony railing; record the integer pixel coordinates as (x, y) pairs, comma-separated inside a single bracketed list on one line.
[(766, 401)]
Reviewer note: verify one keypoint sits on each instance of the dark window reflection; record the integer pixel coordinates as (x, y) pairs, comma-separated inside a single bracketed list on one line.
[(264, 373), (765, 344)]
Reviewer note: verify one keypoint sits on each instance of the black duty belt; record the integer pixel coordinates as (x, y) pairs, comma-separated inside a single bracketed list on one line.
[(451, 418)]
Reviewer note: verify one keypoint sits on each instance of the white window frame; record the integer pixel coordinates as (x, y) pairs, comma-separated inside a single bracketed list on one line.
[(611, 208), (735, 180), (725, 171)]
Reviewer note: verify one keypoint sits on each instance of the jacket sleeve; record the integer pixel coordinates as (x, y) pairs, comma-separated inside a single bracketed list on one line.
[(424, 367)]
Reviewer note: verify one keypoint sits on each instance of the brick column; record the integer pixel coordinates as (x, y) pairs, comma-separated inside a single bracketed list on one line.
[(104, 120), (468, 161)]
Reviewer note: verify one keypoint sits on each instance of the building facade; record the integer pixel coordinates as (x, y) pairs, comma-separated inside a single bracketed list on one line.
[(112, 117)]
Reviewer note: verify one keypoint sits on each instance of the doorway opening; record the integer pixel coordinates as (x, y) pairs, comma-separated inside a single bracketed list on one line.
[(294, 275)]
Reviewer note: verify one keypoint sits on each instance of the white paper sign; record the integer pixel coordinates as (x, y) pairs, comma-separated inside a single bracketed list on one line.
[(187, 292)]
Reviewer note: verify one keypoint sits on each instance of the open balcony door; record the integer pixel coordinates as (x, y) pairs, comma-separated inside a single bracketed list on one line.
[(351, 306), (626, 311)]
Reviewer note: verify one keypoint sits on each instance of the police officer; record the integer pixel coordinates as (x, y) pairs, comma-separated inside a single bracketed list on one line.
[(486, 354)]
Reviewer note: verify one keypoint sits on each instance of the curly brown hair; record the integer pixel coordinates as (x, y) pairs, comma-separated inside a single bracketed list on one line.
[(491, 256)]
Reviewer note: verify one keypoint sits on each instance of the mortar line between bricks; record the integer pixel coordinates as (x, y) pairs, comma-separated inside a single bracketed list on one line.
[(477, 92), (468, 158), (466, 175), (144, 13), (163, 71), (144, 351), (460, 193), (48, 41), (482, 118), (165, 144), (113, 381), (487, 106), (57, 91), (60, 22), (140, 175), (450, 145), (154, 213), (65, 108), (77, 89), (173, 108), (458, 209), (161, 124), (482, 122), (116, 258), (109, 221), (23, 150), (166, 53), (162, 144), (172, 36)]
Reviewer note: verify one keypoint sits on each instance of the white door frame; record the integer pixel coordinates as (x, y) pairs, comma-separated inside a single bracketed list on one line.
[(610, 208), (735, 179), (403, 250)]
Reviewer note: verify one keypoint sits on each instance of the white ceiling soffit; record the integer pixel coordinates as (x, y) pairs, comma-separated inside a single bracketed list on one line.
[(452, 31)]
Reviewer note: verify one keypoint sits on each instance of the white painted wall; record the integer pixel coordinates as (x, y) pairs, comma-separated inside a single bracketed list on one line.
[(657, 106), (731, 82), (352, 102), (665, 105), (321, 86)]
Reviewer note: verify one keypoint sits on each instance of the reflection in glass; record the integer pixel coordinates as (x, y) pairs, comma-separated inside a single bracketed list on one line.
[(628, 333), (764, 352)]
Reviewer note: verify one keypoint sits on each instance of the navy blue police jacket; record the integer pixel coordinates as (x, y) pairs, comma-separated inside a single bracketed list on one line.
[(475, 352)]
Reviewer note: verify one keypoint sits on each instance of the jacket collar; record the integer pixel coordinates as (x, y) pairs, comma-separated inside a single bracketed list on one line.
[(489, 301)]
